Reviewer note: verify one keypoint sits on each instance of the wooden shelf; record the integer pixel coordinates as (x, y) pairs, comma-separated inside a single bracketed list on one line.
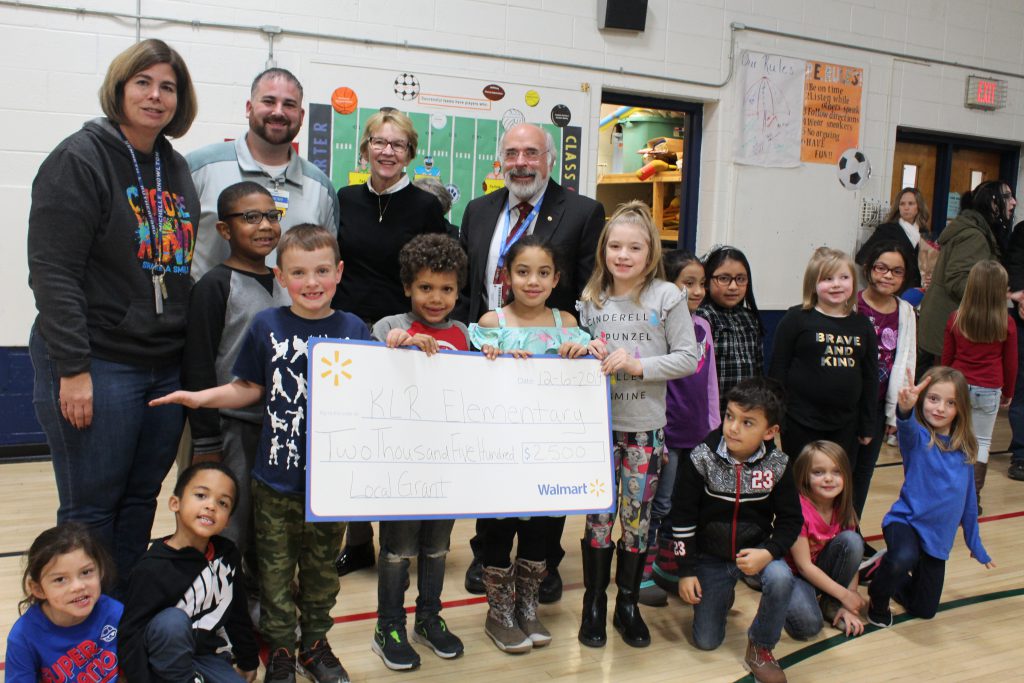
[(621, 178), (660, 188)]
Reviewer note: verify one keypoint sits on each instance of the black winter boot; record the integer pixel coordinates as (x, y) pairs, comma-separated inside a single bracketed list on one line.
[(627, 620), (597, 566)]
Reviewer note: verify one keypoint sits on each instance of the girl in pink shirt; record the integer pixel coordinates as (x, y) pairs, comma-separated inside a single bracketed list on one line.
[(828, 551)]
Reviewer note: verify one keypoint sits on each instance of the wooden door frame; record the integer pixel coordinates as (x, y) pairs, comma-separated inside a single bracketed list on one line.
[(947, 143), (688, 192)]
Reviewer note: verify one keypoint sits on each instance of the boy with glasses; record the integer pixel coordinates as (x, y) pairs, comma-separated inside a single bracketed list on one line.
[(222, 305)]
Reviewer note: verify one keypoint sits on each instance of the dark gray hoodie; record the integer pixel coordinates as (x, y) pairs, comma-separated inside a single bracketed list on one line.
[(90, 255)]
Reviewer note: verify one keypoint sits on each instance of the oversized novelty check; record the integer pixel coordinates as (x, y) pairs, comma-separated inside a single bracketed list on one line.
[(395, 434)]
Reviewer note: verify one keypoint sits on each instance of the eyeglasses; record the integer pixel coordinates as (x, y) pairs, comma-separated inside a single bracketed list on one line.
[(531, 154), (1007, 195), (881, 269), (726, 280), (380, 144), (256, 217)]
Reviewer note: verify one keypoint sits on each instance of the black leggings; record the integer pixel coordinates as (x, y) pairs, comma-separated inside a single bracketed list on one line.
[(498, 535)]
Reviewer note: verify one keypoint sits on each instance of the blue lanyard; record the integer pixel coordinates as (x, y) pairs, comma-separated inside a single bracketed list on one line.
[(155, 226), (506, 243)]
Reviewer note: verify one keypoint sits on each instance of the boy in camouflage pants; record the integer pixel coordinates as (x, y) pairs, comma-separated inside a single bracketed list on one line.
[(271, 367)]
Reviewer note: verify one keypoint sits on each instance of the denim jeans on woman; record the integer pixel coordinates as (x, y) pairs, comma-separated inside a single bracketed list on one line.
[(109, 474)]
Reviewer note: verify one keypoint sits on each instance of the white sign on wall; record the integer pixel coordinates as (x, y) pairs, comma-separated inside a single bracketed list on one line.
[(771, 110), (395, 434)]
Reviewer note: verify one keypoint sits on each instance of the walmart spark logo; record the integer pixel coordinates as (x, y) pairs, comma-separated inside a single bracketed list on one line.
[(596, 487), (335, 368)]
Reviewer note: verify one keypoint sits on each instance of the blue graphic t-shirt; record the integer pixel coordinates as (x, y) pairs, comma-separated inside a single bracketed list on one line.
[(273, 355), (39, 650)]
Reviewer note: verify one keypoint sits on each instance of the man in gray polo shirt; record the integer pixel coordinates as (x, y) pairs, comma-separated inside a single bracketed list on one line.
[(263, 155)]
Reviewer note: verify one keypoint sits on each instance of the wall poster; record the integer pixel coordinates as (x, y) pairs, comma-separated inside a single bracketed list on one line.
[(832, 113)]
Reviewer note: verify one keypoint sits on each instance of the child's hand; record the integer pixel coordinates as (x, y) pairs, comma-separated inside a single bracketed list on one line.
[(491, 352), (424, 342), (854, 601), (689, 590), (597, 348), (1005, 401), (619, 359), (863, 440), (751, 561), (249, 676), (520, 353), (572, 350), (848, 622), (910, 392), (185, 398), (396, 338)]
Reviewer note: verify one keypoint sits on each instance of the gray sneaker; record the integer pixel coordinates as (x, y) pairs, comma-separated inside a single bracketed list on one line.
[(391, 644), (433, 632), (320, 664)]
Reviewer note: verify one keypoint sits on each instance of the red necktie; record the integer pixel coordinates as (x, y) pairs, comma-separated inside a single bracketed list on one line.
[(500, 276)]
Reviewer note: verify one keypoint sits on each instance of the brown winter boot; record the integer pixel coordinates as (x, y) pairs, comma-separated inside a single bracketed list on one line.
[(501, 599), (528, 577), (980, 470)]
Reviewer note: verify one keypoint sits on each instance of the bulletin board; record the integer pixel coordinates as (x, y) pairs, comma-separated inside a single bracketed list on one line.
[(459, 120), (396, 434)]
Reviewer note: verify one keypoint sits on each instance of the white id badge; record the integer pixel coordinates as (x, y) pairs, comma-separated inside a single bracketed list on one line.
[(280, 201), (493, 297)]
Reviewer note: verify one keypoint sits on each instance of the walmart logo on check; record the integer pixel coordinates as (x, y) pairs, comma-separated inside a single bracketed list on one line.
[(582, 488)]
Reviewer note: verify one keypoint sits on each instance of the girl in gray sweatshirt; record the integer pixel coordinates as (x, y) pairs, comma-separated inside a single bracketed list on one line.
[(643, 334)]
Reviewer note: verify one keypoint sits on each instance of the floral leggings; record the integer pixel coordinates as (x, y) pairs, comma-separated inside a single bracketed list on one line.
[(637, 462)]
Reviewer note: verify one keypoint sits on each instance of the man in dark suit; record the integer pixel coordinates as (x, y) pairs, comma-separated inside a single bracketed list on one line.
[(531, 203), (569, 222)]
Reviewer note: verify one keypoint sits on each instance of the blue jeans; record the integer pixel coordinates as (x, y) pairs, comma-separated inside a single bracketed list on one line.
[(171, 651), (1017, 405), (399, 541), (840, 559), (984, 408), (718, 581), (908, 573), (109, 474), (662, 503)]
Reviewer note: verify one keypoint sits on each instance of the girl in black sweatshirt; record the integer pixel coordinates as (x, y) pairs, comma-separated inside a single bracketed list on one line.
[(825, 355)]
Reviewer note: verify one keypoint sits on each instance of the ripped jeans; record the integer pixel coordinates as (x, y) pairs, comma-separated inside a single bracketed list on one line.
[(425, 539)]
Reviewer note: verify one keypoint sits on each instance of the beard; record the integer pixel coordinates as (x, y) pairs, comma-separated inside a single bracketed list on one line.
[(521, 190), (260, 128)]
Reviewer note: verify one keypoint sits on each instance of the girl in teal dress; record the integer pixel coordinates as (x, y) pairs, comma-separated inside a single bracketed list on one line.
[(523, 327)]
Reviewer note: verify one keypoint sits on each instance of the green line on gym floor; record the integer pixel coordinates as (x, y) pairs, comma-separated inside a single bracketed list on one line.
[(794, 658)]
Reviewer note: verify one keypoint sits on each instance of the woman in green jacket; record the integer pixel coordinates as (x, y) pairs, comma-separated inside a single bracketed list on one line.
[(969, 238)]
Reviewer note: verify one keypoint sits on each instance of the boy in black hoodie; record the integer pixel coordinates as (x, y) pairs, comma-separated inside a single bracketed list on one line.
[(186, 607), (735, 513)]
